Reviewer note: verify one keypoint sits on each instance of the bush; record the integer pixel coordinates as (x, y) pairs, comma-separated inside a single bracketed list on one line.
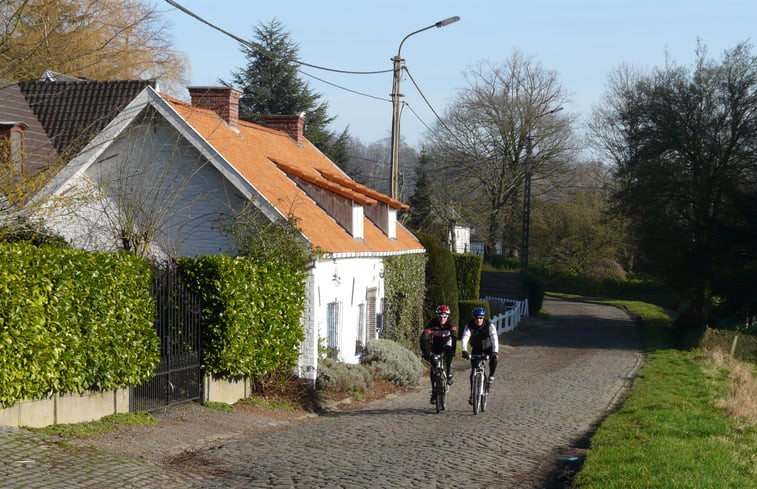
[(468, 271), (334, 376), (535, 287), (441, 278), (391, 361)]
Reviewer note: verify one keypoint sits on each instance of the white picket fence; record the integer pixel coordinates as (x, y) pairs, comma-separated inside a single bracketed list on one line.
[(508, 320)]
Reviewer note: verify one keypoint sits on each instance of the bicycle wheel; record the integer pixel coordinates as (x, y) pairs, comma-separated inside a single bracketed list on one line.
[(484, 393), (477, 388), (440, 379)]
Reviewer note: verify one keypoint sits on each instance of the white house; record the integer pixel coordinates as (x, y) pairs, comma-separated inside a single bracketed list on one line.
[(189, 166)]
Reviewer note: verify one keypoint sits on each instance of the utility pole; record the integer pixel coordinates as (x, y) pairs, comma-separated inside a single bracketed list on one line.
[(397, 68)]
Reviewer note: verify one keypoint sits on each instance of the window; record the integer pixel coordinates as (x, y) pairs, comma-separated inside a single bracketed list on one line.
[(360, 340), (373, 323), (333, 321)]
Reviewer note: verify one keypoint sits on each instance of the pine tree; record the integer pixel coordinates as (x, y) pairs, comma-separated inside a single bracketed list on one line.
[(271, 85)]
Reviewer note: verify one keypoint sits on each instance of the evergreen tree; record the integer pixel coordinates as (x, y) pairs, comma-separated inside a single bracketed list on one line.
[(421, 213), (271, 85)]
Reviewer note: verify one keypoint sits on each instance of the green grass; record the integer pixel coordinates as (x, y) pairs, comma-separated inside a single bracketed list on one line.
[(670, 432), (94, 428), (220, 406)]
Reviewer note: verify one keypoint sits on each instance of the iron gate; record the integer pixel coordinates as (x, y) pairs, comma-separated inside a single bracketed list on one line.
[(177, 322)]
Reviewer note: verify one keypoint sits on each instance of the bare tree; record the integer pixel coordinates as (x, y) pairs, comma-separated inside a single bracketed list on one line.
[(369, 165), (480, 150), (97, 39)]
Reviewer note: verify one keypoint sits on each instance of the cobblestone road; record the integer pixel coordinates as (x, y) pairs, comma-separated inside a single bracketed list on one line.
[(556, 379)]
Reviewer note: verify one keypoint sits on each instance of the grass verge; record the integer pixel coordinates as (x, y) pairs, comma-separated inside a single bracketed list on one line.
[(94, 428), (674, 430)]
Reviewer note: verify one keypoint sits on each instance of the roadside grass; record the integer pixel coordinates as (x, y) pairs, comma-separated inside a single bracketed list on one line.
[(94, 428), (265, 403), (676, 430)]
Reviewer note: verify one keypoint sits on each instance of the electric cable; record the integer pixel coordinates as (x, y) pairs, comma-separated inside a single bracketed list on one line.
[(260, 47)]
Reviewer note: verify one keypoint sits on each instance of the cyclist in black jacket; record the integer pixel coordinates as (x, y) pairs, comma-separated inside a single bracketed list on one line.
[(440, 336), (482, 336)]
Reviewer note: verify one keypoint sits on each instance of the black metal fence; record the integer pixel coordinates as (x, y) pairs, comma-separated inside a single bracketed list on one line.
[(177, 322)]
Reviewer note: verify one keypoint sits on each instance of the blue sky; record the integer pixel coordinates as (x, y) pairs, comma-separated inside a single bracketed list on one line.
[(581, 40)]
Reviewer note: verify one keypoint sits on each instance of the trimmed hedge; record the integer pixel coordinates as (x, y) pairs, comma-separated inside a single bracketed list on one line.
[(404, 292), (441, 278), (73, 321), (468, 271), (251, 314)]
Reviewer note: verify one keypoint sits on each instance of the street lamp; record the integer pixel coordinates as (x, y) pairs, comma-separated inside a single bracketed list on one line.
[(395, 170), (527, 196)]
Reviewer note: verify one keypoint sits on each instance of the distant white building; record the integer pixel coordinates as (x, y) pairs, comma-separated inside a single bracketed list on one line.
[(460, 239)]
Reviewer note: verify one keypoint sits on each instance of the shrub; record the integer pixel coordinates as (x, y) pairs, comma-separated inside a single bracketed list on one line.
[(391, 361), (334, 376), (468, 271), (534, 284), (441, 278)]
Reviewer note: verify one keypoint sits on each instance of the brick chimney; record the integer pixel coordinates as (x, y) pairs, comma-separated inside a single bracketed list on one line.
[(223, 100), (294, 125)]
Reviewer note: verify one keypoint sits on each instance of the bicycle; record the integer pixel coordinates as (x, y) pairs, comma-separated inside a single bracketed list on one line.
[(438, 380), (480, 384)]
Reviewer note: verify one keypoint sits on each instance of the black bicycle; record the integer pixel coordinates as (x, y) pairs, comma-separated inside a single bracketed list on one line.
[(480, 384), (439, 385)]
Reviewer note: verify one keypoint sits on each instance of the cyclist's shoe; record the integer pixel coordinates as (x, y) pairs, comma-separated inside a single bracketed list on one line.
[(491, 379), (470, 400), (450, 379)]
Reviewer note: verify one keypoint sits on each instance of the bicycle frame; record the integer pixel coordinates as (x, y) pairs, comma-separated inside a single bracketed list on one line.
[(480, 384)]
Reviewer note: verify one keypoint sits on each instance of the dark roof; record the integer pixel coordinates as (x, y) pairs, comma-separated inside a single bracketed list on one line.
[(13, 108), (73, 112)]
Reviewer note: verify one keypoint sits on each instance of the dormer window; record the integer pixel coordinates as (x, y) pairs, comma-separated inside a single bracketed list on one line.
[(12, 141)]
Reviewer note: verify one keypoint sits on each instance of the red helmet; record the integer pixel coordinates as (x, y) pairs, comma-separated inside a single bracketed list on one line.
[(443, 310)]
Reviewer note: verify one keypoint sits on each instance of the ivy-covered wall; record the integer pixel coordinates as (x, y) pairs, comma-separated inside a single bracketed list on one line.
[(404, 290), (72, 321), (251, 314)]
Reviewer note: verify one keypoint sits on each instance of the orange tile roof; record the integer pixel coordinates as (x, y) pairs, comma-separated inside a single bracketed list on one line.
[(265, 157)]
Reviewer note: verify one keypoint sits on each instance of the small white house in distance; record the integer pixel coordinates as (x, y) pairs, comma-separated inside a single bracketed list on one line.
[(460, 239)]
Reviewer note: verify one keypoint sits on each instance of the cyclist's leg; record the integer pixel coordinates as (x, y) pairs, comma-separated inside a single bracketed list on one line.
[(449, 354), (470, 399), (492, 364)]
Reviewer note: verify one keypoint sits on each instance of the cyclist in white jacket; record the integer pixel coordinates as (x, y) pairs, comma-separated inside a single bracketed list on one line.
[(482, 336)]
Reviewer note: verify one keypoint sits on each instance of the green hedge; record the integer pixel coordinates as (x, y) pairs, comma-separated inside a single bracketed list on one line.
[(468, 271), (441, 278), (404, 283), (251, 314), (72, 321)]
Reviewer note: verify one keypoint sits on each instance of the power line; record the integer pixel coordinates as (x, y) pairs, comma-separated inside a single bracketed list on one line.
[(441, 121), (344, 88), (260, 47)]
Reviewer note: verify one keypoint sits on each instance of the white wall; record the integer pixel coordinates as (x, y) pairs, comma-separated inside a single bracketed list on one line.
[(185, 213), (462, 239), (346, 281)]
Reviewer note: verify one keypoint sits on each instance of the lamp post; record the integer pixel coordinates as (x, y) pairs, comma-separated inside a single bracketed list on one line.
[(527, 197), (395, 171)]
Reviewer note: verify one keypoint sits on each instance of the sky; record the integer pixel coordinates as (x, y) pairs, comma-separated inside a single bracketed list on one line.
[(582, 41)]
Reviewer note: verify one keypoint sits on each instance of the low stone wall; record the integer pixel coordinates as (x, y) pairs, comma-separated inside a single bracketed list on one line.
[(228, 391), (66, 408), (90, 406)]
